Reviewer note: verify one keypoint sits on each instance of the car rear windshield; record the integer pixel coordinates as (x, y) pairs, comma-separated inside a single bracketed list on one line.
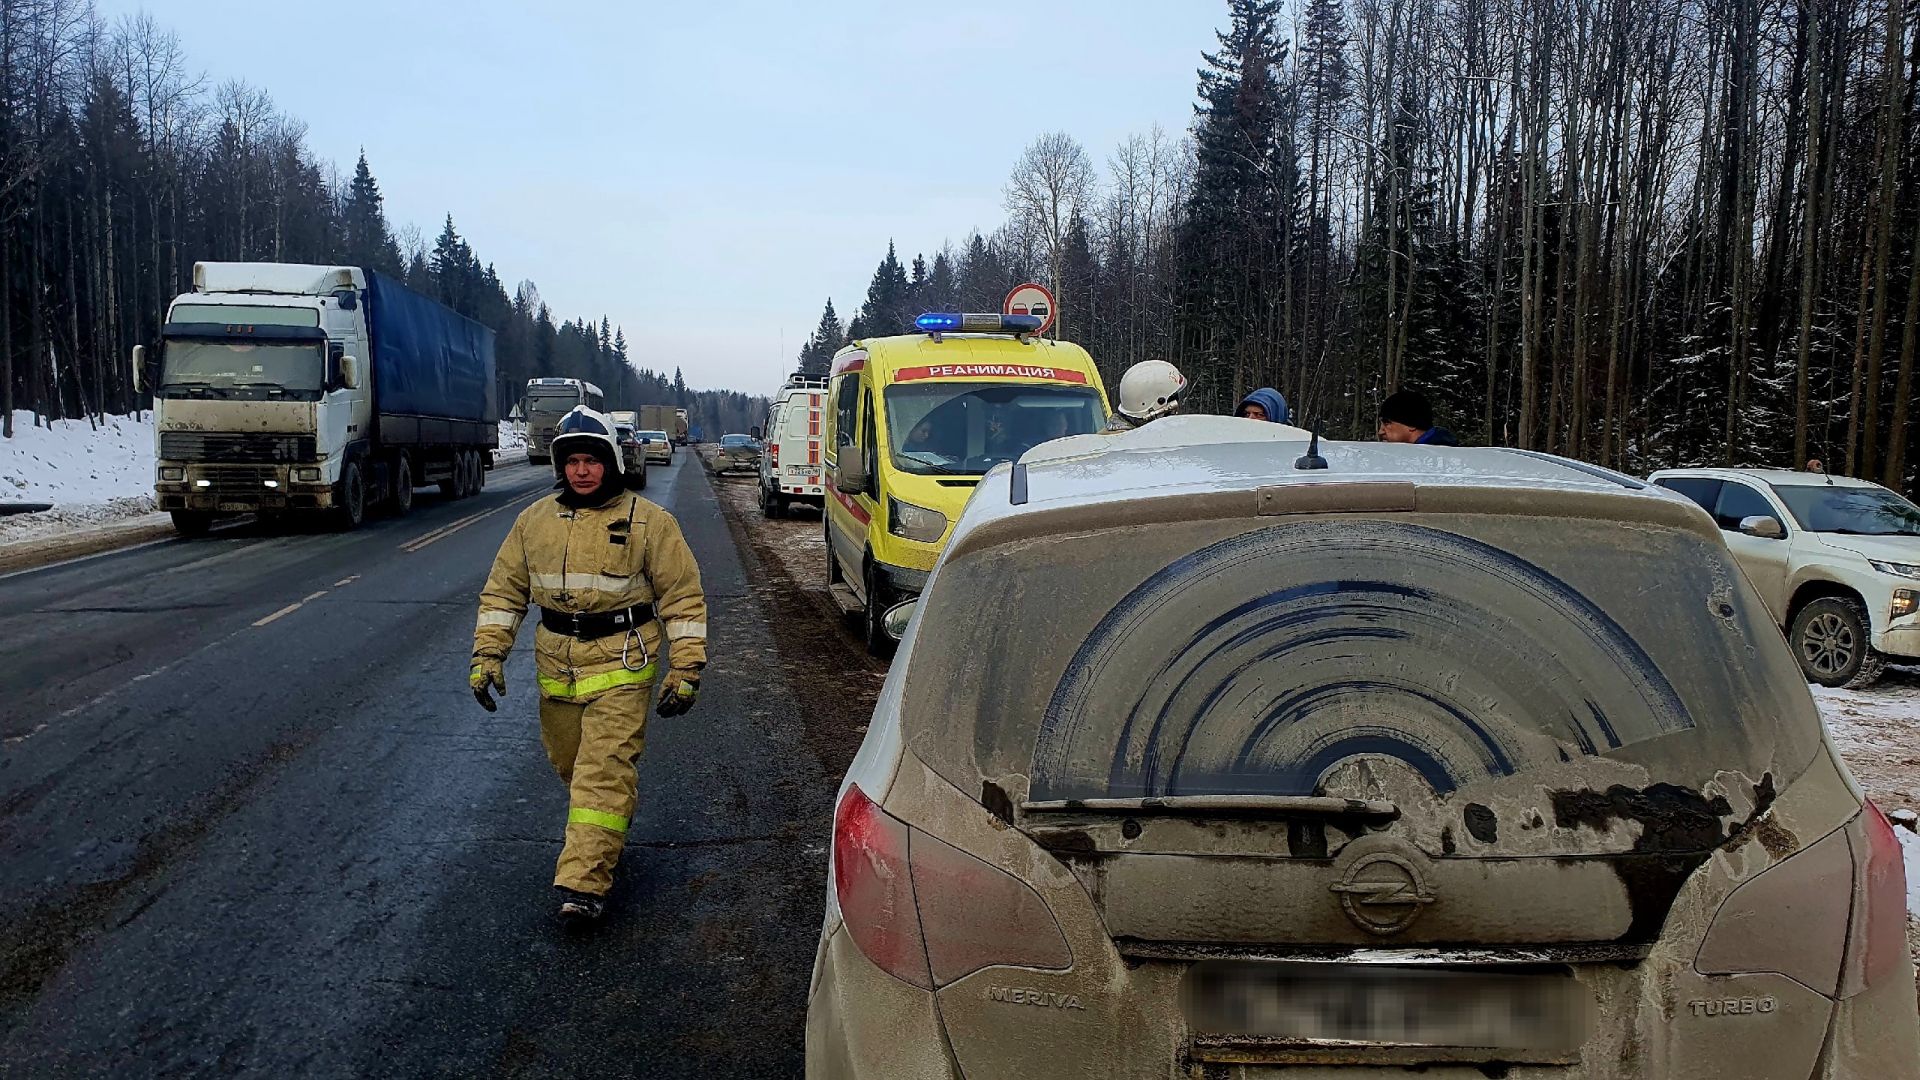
[(1862, 511), (1479, 652)]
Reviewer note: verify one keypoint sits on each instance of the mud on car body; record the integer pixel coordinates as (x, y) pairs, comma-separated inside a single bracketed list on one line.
[(1454, 760)]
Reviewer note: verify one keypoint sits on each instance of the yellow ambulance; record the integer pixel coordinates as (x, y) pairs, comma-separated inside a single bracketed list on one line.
[(914, 421)]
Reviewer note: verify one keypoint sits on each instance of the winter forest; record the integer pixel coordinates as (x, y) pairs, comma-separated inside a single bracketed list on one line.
[(121, 166), (1640, 232)]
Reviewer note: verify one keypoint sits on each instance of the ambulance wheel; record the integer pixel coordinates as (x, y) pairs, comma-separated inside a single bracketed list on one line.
[(192, 522), (402, 484), (353, 498), (874, 618), (834, 576)]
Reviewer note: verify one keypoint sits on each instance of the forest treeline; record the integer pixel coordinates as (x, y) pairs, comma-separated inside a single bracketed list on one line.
[(121, 165), (1639, 232)]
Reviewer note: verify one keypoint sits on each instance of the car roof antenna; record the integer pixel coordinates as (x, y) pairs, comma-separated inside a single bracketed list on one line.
[(1311, 460)]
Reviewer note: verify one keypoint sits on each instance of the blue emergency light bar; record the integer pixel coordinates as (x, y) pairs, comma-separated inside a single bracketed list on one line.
[(941, 322)]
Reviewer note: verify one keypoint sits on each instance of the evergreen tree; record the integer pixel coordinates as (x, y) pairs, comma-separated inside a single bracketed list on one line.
[(816, 356), (368, 240), (888, 298)]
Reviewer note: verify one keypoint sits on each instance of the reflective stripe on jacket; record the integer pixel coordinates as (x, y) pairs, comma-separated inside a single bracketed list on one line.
[(604, 558)]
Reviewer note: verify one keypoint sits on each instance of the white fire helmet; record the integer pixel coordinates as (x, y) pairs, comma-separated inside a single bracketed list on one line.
[(1150, 389), (584, 431)]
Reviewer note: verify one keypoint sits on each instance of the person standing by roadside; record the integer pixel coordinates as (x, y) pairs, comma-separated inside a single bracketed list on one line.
[(1407, 417), (620, 598), (1266, 404)]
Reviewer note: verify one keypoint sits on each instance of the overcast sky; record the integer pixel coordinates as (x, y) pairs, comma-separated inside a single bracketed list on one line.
[(706, 174)]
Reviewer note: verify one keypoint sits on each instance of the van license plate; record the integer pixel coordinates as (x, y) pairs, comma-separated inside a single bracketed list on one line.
[(1539, 1011)]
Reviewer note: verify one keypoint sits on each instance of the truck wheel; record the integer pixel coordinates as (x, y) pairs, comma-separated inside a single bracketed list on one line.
[(192, 522), (1833, 640), (481, 459), (874, 622), (455, 485), (402, 485), (353, 497)]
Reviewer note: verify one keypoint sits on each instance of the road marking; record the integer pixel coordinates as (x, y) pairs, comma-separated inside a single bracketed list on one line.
[(448, 530), (346, 581), (288, 610), (315, 596)]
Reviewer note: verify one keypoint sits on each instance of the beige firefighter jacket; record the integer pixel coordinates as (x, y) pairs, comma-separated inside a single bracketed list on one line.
[(605, 558)]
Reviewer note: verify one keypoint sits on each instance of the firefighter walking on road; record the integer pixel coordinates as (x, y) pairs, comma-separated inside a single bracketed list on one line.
[(621, 611)]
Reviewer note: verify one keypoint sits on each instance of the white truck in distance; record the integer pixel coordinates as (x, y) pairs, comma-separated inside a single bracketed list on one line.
[(291, 389)]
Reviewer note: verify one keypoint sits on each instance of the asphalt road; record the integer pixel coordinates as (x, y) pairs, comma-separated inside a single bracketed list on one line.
[(251, 821)]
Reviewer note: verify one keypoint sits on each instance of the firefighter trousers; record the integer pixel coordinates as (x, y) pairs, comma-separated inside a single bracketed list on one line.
[(594, 747)]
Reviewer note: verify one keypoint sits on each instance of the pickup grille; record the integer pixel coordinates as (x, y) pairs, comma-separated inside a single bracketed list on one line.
[(198, 446)]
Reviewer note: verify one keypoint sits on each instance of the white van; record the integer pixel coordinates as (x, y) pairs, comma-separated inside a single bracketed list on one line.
[(791, 468)]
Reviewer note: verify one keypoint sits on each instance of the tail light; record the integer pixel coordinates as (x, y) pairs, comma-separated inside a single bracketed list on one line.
[(1832, 917), (773, 454), (1877, 946), (928, 913)]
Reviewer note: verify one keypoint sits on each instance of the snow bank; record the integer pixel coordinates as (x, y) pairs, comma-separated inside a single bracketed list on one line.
[(512, 436), (76, 464)]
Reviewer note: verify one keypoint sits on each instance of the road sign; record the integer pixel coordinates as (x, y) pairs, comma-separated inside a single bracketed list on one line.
[(1031, 299)]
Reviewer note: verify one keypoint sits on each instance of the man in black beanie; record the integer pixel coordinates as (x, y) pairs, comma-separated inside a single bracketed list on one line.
[(1407, 417)]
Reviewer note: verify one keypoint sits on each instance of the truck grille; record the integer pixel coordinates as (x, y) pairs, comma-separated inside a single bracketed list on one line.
[(199, 446)]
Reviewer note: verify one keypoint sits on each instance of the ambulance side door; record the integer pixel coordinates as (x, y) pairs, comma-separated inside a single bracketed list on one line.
[(846, 535)]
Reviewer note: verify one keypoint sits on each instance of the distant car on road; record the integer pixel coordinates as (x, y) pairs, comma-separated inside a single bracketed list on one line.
[(1835, 560), (1195, 763), (739, 452), (633, 459), (658, 446)]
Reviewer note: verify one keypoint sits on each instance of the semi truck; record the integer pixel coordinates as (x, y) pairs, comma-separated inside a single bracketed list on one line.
[(285, 389), (665, 418), (549, 400)]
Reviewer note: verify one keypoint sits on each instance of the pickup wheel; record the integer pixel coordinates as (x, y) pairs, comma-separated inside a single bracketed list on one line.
[(192, 522), (1833, 640), (353, 497), (402, 484)]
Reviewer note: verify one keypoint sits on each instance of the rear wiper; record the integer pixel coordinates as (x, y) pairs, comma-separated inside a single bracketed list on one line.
[(1221, 805)]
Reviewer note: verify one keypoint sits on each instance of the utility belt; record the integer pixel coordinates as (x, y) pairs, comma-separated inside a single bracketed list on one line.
[(586, 626)]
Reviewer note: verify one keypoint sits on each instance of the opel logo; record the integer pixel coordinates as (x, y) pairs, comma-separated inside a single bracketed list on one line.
[(1382, 893)]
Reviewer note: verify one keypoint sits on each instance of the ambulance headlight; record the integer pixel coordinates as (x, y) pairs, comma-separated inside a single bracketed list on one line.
[(915, 522)]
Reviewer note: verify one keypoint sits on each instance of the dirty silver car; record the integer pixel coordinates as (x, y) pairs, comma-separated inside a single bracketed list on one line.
[(1482, 763), (739, 452)]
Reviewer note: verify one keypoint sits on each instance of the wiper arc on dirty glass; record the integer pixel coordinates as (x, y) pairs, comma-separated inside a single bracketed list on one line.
[(1304, 805), (921, 459)]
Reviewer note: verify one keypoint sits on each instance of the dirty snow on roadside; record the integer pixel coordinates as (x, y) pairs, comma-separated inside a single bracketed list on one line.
[(1878, 733)]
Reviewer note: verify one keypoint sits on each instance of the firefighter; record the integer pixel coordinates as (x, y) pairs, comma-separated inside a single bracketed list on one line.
[(621, 611), (1149, 390)]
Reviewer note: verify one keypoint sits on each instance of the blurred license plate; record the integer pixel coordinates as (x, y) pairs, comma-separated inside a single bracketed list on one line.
[(1541, 1012)]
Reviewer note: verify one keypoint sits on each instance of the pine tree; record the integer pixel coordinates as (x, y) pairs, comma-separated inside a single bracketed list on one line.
[(888, 298), (816, 356), (368, 239)]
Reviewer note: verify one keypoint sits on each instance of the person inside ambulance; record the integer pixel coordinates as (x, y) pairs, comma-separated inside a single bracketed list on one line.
[(1148, 391), (621, 610)]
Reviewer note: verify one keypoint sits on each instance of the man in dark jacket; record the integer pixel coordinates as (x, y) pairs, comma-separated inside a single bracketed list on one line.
[(1264, 404), (1407, 417)]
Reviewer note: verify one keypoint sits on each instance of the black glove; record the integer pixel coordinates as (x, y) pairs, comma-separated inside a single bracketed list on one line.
[(678, 693), (487, 672)]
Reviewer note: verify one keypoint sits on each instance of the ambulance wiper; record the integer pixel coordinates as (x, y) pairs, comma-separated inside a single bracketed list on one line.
[(1221, 806), (940, 467)]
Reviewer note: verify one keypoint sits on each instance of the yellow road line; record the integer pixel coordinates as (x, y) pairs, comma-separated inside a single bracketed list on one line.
[(441, 534), (288, 610)]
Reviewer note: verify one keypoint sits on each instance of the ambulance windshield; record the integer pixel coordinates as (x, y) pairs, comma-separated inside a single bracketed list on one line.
[(967, 428)]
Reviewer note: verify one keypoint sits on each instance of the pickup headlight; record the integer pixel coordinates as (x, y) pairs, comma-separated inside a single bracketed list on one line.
[(306, 475), (915, 522), (1897, 569)]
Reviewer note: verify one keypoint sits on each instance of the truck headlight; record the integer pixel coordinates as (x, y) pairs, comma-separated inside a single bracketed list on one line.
[(172, 472), (915, 522), (1897, 569), (306, 475)]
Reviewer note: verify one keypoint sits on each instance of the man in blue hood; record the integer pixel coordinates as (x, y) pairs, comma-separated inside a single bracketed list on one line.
[(1264, 404)]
